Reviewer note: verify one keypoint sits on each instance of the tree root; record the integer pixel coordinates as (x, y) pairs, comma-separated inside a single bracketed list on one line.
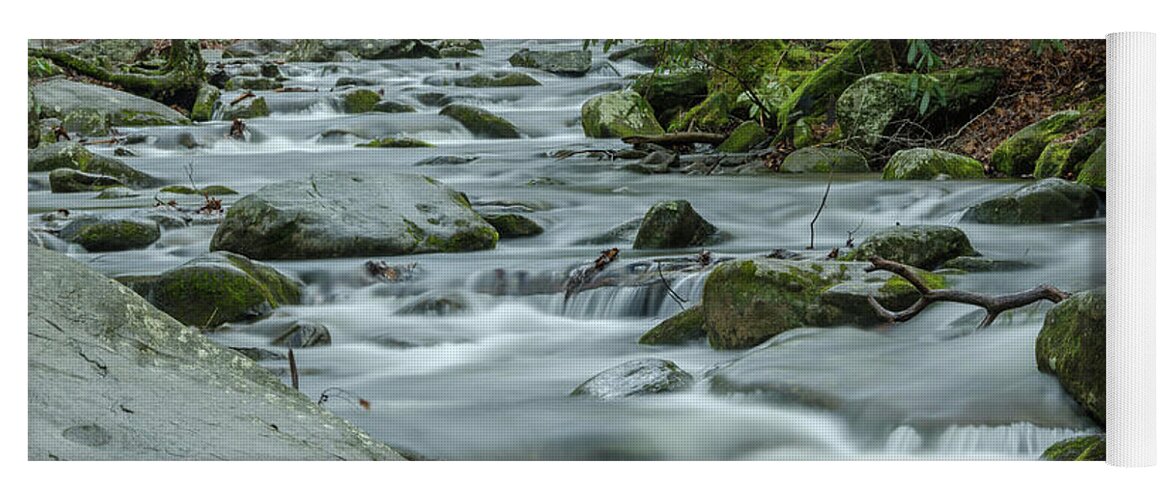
[(177, 82)]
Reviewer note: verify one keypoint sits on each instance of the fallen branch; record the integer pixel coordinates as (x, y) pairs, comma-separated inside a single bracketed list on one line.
[(670, 291), (246, 95), (582, 276), (829, 182), (676, 139), (992, 304)]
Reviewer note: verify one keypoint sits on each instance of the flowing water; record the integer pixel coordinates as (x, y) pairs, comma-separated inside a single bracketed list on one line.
[(492, 381)]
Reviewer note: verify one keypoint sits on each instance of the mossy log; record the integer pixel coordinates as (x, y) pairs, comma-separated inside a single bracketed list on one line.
[(177, 82)]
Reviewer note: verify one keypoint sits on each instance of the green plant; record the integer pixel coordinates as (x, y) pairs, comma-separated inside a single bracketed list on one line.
[(924, 87), (1040, 45)]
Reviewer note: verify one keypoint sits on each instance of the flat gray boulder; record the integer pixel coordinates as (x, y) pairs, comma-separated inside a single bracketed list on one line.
[(75, 101), (112, 378), (342, 214)]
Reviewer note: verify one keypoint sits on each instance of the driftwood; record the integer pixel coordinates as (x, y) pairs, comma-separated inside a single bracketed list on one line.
[(580, 278), (177, 82), (676, 139), (992, 304)]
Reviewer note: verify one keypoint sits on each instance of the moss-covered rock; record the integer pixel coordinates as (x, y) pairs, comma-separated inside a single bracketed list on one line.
[(1072, 346), (673, 224), (634, 378), (110, 235), (480, 122), (456, 53), (619, 114), (1093, 171), (1045, 201), (386, 106), (49, 157), (1079, 449), (923, 246), (745, 137), (255, 107), (205, 103), (460, 43), (497, 79), (360, 101), (711, 115), (213, 190), (821, 88), (396, 142), (643, 54), (67, 180), (326, 50), (562, 62), (242, 82), (82, 103), (824, 159), (513, 225), (218, 288), (75, 157), (670, 93), (681, 328), (869, 109), (927, 164), (1018, 154)]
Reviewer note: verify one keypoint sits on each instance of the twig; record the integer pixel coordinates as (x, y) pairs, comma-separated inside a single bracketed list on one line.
[(344, 394), (678, 300), (824, 197), (993, 305), (294, 377), (850, 235)]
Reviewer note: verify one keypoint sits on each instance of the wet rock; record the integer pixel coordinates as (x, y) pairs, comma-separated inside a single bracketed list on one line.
[(634, 378), (213, 190), (980, 264), (115, 193), (657, 162), (673, 224), (73, 156), (928, 164), (1072, 346), (513, 225), (711, 115), (1045, 201), (110, 234), (341, 214), (448, 160), (66, 180), (1066, 159), (456, 53), (252, 83), (206, 102), (1018, 154), (619, 114), (112, 378), (433, 98), (60, 98), (670, 93), (385, 106), (436, 305), (360, 101), (642, 54), (824, 159), (456, 43), (821, 88), (255, 107), (562, 62), (622, 233), (495, 79), (217, 288), (1079, 449), (301, 335), (253, 48), (396, 142), (42, 239), (744, 138), (319, 50), (1093, 172), (480, 123), (681, 328), (354, 81), (923, 246)]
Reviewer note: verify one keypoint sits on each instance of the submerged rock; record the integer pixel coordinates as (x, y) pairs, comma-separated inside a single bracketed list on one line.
[(633, 378), (67, 180), (922, 246), (1018, 154), (110, 234), (1072, 346), (619, 114), (824, 159), (480, 123), (562, 62), (673, 224), (396, 142), (73, 156), (1079, 449), (112, 378), (341, 214), (681, 328), (927, 164), (360, 101), (436, 304), (217, 288), (1045, 201), (513, 225), (60, 98)]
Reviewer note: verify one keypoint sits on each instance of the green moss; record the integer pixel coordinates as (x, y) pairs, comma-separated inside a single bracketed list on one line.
[(745, 305), (255, 107), (456, 53), (1093, 172), (924, 247), (1045, 201), (823, 160), (927, 164), (205, 103), (681, 328), (220, 288), (670, 93), (1079, 449), (103, 235), (1018, 154), (619, 114), (360, 101), (513, 225), (712, 115), (1053, 160), (897, 285), (746, 136), (39, 67), (1072, 346), (497, 79), (480, 123), (815, 95), (396, 142)]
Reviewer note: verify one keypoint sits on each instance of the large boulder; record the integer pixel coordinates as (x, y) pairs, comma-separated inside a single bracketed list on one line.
[(1045, 201), (922, 246), (817, 93), (217, 288), (870, 108), (670, 93), (927, 164), (1018, 154), (562, 62), (824, 159), (71, 155), (480, 122), (633, 378), (112, 378), (1065, 159), (67, 180), (110, 234), (1079, 449), (744, 138), (749, 301), (1072, 346), (89, 108), (1093, 172), (681, 328), (341, 214), (619, 114), (360, 101), (673, 224), (206, 101)]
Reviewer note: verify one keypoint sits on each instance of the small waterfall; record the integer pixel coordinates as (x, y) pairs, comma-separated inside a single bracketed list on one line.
[(1018, 440)]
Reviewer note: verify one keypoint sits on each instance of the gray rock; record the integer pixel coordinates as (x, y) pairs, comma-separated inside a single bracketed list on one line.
[(673, 224), (563, 62), (60, 98), (342, 214), (110, 234), (824, 159), (67, 180), (1045, 201), (74, 156), (637, 377), (112, 378), (922, 246)]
